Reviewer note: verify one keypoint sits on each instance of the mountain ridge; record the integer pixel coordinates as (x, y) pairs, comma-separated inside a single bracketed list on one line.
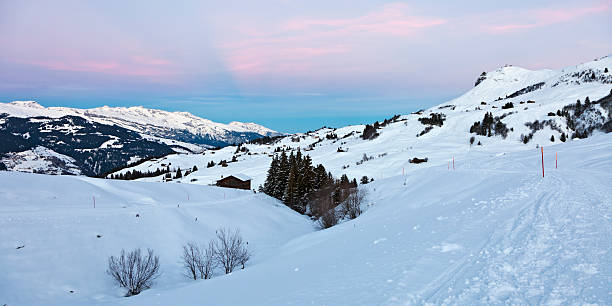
[(148, 121)]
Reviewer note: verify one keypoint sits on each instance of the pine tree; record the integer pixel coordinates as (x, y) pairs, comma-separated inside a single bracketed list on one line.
[(272, 178), (289, 195), (178, 173), (282, 176), (321, 178), (194, 168), (306, 181)]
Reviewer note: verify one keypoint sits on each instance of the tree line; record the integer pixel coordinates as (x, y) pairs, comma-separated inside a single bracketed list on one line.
[(309, 189)]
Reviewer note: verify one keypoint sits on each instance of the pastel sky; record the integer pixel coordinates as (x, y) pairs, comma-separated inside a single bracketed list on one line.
[(290, 65)]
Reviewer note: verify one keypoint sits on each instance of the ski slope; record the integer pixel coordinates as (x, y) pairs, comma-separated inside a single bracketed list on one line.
[(493, 231), (54, 219)]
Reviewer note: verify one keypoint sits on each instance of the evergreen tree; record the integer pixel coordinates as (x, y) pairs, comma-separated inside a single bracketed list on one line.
[(194, 168), (306, 181), (272, 178), (178, 173), (283, 175), (289, 195)]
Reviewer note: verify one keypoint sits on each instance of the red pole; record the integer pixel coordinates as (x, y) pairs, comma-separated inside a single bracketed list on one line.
[(542, 148), (453, 163)]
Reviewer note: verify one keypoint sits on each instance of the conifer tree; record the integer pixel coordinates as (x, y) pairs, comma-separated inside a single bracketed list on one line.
[(290, 193), (272, 178), (282, 176)]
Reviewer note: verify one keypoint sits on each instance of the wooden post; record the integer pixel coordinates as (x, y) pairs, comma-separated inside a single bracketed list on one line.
[(453, 163), (542, 149)]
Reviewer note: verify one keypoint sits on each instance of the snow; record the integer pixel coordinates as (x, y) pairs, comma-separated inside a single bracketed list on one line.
[(40, 159), (137, 118), (398, 143), (506, 235), (492, 231), (54, 219), (242, 177)]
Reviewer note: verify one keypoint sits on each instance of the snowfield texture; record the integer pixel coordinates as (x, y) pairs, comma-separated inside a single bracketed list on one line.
[(54, 219), (493, 231)]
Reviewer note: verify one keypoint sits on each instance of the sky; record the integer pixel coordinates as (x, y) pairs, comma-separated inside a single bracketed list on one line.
[(289, 65)]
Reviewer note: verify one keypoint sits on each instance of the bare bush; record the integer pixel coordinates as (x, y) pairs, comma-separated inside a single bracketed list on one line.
[(192, 255), (133, 271), (328, 219), (328, 214), (351, 207), (230, 250), (206, 264)]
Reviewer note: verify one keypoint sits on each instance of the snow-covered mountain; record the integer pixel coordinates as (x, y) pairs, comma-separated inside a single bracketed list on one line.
[(96, 140), (510, 109), (492, 232), (180, 126), (476, 224)]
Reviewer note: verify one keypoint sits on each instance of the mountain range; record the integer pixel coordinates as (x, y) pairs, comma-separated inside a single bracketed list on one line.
[(100, 139)]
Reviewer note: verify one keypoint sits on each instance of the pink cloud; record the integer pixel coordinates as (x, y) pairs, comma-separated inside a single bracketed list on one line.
[(137, 66), (297, 45), (392, 19), (546, 17)]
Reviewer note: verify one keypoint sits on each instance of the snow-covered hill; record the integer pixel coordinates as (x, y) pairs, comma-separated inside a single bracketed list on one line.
[(543, 112), (493, 231), (54, 219), (180, 126)]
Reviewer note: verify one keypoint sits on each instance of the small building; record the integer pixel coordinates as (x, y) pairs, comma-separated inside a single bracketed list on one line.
[(238, 181)]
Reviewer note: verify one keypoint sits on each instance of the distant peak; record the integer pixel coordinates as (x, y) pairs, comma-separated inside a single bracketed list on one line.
[(32, 104)]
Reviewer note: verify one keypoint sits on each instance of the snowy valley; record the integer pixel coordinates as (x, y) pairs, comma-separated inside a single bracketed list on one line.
[(500, 196)]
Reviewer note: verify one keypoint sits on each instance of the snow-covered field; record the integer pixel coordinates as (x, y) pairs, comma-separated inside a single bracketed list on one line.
[(491, 232), (54, 219)]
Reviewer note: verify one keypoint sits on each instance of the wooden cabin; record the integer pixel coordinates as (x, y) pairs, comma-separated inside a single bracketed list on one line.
[(238, 181)]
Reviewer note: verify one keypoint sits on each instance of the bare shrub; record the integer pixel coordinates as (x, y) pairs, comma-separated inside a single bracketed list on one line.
[(133, 271), (351, 207), (192, 255), (206, 265), (230, 250), (328, 217)]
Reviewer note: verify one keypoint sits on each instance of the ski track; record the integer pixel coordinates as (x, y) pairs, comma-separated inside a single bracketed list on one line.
[(548, 246)]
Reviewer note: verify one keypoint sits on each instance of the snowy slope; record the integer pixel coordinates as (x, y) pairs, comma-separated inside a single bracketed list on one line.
[(54, 219), (398, 141), (491, 232), (41, 160), (153, 122)]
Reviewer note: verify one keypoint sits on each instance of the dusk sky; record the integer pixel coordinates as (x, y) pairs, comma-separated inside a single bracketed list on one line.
[(289, 65)]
